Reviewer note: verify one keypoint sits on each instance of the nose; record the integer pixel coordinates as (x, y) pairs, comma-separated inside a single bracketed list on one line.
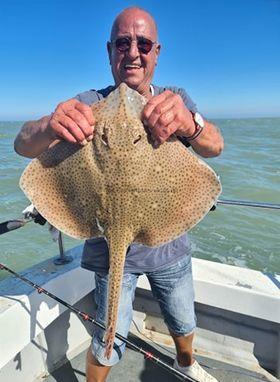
[(133, 51)]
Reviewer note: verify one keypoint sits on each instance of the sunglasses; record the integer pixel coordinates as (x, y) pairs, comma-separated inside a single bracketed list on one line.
[(123, 44)]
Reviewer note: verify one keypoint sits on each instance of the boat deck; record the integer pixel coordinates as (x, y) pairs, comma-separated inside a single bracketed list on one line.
[(133, 368)]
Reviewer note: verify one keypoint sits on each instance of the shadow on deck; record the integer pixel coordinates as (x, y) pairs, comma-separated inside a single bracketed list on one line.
[(133, 368)]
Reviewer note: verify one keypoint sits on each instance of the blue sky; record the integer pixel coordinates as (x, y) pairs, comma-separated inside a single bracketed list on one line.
[(226, 54)]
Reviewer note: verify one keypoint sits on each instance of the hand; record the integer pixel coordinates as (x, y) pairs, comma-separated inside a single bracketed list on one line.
[(167, 114), (72, 121)]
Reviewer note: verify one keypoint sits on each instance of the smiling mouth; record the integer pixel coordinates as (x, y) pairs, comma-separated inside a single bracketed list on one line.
[(132, 66)]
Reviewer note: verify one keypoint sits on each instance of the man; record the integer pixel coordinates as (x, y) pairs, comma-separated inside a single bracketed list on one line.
[(133, 52)]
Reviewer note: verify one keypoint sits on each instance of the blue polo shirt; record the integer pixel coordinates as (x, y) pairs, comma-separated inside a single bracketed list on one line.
[(139, 258)]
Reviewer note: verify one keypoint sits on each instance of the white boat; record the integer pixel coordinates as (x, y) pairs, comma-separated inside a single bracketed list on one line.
[(238, 335)]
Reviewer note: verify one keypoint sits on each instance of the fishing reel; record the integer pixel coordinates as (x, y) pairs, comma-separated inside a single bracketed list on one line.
[(30, 214)]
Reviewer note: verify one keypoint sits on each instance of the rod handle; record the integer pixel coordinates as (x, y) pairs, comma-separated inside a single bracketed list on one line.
[(11, 225)]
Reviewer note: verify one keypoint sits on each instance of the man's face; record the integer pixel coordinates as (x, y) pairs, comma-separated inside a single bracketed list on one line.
[(134, 67)]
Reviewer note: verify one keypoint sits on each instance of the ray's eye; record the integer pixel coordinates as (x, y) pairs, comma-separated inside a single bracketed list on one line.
[(137, 139)]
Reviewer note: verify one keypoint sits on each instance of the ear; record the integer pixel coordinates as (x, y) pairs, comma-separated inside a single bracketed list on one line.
[(158, 48), (109, 50)]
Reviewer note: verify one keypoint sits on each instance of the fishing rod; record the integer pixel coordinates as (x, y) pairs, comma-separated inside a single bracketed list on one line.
[(86, 317), (37, 218), (11, 225), (246, 203)]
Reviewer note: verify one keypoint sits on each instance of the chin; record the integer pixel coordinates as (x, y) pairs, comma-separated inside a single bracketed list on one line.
[(132, 83)]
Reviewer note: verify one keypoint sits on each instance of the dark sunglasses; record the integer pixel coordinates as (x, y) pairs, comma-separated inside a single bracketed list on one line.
[(123, 44)]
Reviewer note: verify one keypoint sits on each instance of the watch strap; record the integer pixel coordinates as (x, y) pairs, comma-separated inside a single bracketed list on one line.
[(198, 130)]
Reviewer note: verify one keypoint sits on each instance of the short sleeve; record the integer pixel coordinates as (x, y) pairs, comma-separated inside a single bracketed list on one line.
[(92, 96), (89, 97)]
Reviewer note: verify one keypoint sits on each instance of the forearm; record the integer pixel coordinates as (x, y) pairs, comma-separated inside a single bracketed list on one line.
[(34, 138), (209, 143)]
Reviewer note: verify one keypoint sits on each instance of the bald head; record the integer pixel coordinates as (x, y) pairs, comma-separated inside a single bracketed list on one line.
[(134, 13), (133, 49)]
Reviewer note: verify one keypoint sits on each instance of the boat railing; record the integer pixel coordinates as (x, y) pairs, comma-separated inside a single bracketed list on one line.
[(31, 214)]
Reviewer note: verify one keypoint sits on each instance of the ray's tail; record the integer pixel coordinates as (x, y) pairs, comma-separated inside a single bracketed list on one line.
[(118, 245)]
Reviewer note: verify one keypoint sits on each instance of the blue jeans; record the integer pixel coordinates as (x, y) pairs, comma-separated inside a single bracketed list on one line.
[(173, 289)]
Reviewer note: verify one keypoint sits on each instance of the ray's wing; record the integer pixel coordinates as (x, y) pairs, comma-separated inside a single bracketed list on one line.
[(181, 189), (65, 185)]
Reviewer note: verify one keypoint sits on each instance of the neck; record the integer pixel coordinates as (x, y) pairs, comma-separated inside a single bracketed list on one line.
[(146, 91)]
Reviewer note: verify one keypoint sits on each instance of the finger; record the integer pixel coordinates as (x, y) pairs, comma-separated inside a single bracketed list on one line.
[(160, 109), (72, 104), (158, 115), (62, 132), (87, 112), (70, 125), (80, 120), (165, 105), (64, 106), (166, 118), (161, 134), (153, 102)]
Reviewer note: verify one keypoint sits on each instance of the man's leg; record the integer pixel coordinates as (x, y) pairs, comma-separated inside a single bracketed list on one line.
[(184, 348), (173, 288), (98, 366), (95, 372)]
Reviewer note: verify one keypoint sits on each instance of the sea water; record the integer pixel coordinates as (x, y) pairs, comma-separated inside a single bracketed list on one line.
[(249, 169)]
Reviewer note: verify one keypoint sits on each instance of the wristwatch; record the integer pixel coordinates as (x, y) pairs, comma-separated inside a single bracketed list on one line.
[(199, 126), (198, 119)]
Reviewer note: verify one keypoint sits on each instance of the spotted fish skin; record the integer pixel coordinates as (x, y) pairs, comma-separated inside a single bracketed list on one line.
[(121, 187)]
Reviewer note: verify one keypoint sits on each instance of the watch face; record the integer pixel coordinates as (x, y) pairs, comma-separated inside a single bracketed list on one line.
[(199, 120)]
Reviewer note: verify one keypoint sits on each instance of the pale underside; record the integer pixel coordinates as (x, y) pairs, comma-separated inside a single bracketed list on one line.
[(119, 186)]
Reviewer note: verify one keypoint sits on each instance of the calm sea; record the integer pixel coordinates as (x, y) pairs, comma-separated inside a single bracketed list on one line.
[(249, 169)]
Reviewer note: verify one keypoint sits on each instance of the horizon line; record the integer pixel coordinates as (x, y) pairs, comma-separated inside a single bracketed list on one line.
[(208, 118)]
